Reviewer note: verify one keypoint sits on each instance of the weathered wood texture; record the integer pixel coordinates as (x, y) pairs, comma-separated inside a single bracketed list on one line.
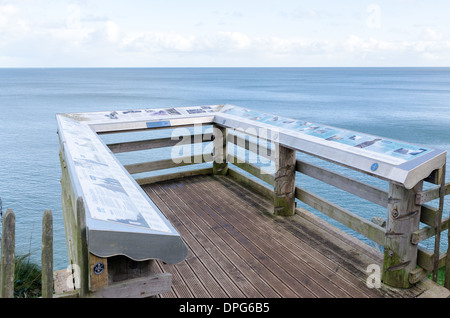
[(239, 248), (403, 219), (345, 217), (438, 223), (71, 207), (432, 194), (82, 251), (166, 163), (47, 254), (358, 188), (122, 277), (429, 215), (8, 255), (220, 165), (157, 143), (98, 272), (175, 175), (7, 277), (284, 185), (141, 287)]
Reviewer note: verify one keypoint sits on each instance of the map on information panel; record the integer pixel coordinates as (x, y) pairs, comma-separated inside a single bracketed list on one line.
[(108, 192), (399, 151)]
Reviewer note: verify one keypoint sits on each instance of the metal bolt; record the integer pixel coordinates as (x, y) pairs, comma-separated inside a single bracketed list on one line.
[(395, 213), (391, 253)]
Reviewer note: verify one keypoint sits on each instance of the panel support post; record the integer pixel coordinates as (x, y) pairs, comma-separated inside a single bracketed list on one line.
[(400, 254), (83, 257), (220, 164), (284, 186)]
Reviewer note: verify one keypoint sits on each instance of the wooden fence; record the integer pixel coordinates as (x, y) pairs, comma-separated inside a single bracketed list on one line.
[(8, 255)]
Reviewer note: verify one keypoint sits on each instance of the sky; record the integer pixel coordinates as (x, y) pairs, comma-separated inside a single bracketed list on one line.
[(244, 33)]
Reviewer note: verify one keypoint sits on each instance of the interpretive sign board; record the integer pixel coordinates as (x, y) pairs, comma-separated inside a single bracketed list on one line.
[(120, 218), (389, 159)]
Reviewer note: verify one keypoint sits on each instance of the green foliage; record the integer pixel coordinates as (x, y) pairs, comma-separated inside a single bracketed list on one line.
[(27, 278), (440, 277)]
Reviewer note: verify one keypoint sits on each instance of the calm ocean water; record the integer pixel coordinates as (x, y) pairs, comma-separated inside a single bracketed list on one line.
[(409, 104)]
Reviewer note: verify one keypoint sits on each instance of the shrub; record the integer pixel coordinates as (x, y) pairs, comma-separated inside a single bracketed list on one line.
[(27, 278)]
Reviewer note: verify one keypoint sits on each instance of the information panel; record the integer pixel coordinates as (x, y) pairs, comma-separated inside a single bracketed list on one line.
[(387, 158)]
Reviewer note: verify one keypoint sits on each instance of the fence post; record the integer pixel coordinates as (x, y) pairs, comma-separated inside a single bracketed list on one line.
[(400, 254), (82, 248), (47, 254), (8, 255), (284, 187), (220, 165), (447, 264)]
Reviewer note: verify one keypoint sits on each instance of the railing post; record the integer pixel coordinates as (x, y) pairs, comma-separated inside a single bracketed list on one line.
[(437, 224), (8, 255), (284, 186), (220, 164), (47, 254), (403, 218), (447, 263)]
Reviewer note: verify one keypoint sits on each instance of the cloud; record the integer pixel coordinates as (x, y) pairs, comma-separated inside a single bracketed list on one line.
[(10, 21), (112, 31), (7, 10), (79, 37), (238, 42), (433, 34), (73, 16)]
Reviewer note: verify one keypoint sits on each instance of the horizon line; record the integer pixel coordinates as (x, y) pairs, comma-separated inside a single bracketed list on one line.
[(167, 67)]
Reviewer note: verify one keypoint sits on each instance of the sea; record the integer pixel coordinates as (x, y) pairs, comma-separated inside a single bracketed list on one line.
[(406, 104)]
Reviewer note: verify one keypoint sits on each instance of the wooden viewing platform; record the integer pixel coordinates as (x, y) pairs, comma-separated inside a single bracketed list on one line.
[(227, 221)]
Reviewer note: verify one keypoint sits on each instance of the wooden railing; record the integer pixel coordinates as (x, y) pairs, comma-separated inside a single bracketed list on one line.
[(165, 163), (396, 199), (405, 261)]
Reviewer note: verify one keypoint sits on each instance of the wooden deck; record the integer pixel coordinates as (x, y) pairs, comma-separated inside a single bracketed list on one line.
[(239, 249)]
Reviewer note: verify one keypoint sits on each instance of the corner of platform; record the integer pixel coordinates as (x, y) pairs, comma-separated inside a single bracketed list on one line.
[(433, 290)]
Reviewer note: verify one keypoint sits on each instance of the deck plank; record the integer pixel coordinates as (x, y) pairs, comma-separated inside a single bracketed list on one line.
[(290, 255), (199, 243), (265, 245), (226, 247), (197, 278), (238, 248), (338, 252), (236, 239), (311, 249)]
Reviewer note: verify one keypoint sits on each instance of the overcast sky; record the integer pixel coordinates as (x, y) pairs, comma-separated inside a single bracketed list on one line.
[(191, 33)]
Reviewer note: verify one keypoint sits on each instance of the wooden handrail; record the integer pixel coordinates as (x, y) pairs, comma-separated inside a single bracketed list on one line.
[(156, 143), (167, 163), (428, 231), (349, 219), (252, 169), (431, 194), (358, 188)]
